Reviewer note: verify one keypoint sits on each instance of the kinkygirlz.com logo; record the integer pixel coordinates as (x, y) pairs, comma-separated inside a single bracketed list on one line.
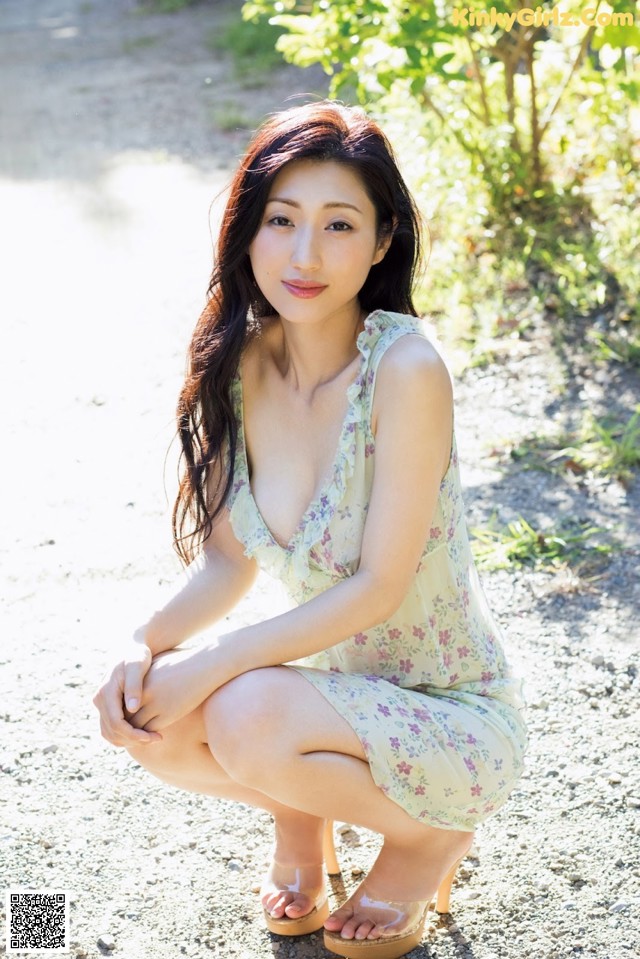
[(539, 17)]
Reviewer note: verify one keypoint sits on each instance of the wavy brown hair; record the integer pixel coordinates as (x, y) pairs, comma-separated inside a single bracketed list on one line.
[(207, 425)]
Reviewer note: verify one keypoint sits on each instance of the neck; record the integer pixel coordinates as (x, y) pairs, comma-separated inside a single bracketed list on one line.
[(309, 356)]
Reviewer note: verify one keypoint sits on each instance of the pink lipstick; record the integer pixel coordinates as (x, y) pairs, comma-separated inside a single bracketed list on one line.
[(304, 289)]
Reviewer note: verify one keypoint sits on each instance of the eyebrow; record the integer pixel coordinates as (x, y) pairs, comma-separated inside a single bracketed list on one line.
[(327, 206)]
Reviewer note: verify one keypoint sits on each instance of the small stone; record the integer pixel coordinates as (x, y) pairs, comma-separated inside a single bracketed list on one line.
[(633, 802), (234, 865), (614, 779), (357, 871), (469, 894), (598, 661), (106, 942), (619, 907), (51, 748)]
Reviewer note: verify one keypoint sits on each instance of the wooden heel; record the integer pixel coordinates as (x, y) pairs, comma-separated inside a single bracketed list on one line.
[(444, 889), (329, 850)]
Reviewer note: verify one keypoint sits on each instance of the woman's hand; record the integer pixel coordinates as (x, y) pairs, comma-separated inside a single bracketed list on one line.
[(177, 682), (125, 684)]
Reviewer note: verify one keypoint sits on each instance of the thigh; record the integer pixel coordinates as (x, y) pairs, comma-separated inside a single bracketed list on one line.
[(278, 706)]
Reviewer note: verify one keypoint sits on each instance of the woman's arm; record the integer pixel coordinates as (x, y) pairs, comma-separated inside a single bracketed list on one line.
[(215, 582), (413, 427)]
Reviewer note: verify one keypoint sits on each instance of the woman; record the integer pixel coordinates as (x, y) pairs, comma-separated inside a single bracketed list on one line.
[(316, 428)]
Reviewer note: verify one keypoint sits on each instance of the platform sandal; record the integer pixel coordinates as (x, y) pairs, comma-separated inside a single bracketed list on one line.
[(297, 879), (408, 918)]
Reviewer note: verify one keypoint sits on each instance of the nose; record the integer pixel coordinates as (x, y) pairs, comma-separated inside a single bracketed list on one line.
[(306, 253)]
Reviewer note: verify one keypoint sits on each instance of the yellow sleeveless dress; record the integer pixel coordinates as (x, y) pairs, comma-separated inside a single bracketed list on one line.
[(428, 692)]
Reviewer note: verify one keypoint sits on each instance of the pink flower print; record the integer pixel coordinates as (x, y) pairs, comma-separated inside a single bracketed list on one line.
[(406, 665), (360, 639), (384, 655), (487, 677), (422, 714), (476, 790), (432, 622), (395, 633), (401, 711), (463, 652), (395, 742), (471, 739), (469, 763), (369, 449), (435, 532), (418, 631), (419, 791), (404, 767), (384, 709), (453, 679), (415, 729), (444, 637), (447, 659), (326, 538), (395, 680)]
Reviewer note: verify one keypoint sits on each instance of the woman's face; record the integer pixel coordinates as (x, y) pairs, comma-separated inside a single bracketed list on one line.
[(317, 242)]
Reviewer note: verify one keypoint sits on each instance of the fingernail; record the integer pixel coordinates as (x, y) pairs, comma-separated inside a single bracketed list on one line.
[(132, 704)]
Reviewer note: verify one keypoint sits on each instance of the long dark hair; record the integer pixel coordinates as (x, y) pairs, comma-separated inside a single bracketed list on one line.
[(207, 424)]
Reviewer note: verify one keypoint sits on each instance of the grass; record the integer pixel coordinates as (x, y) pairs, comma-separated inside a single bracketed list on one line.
[(617, 347), (602, 446), (138, 43), (228, 116), (519, 544), (251, 44)]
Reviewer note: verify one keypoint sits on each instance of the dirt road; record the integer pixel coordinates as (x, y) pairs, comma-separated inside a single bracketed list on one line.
[(109, 159)]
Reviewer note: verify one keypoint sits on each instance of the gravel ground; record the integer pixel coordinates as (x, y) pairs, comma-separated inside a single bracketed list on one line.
[(109, 160)]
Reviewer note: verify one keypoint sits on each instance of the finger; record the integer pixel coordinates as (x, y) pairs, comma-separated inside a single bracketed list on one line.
[(120, 733), (134, 674)]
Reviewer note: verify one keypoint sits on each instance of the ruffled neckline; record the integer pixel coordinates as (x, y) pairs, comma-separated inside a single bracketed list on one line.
[(318, 513)]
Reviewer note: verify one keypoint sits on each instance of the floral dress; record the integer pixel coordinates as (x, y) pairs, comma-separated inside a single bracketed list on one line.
[(428, 692)]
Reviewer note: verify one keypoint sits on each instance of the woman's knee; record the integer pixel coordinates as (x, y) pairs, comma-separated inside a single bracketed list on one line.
[(242, 719), (172, 750)]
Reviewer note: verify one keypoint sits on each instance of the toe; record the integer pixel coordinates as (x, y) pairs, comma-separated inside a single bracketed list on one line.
[(276, 904), (365, 929), (300, 906), (336, 921)]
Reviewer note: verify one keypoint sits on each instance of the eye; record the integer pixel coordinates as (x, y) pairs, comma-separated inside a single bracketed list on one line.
[(279, 220), (340, 226)]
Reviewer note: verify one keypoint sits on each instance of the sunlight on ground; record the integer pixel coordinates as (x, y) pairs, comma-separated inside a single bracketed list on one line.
[(106, 282)]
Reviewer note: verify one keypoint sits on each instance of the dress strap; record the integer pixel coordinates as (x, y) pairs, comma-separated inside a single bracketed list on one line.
[(381, 330)]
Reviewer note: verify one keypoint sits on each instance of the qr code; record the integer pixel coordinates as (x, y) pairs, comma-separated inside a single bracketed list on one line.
[(37, 920)]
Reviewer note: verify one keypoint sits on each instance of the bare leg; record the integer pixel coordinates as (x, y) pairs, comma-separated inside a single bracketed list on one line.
[(183, 758), (273, 732)]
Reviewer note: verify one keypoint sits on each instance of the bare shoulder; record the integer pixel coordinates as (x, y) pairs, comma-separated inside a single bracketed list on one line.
[(412, 365)]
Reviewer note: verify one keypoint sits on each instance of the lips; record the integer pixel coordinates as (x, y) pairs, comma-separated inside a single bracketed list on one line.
[(303, 289)]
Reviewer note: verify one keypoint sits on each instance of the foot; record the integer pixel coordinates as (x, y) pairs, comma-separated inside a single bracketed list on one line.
[(294, 884), (394, 897)]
